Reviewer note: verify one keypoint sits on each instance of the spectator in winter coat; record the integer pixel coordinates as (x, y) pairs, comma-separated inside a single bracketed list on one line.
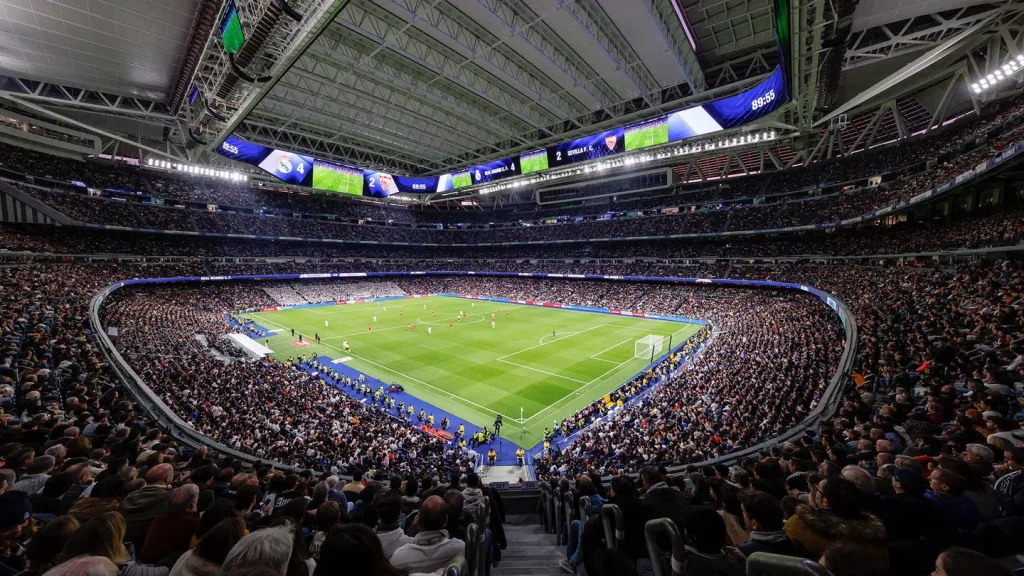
[(143, 505), (432, 549), (837, 514)]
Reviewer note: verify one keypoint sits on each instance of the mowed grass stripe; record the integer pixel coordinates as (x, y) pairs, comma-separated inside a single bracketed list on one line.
[(460, 369)]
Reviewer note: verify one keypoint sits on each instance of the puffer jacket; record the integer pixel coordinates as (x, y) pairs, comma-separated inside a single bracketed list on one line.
[(816, 530)]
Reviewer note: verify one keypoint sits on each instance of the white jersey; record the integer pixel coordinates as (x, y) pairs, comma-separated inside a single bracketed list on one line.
[(374, 318), (325, 323), (428, 330), (492, 323), (344, 344)]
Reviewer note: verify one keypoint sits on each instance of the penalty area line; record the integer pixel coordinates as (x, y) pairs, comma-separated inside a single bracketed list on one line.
[(418, 381)]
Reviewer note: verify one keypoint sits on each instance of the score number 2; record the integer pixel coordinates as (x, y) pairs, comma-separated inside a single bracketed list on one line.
[(762, 101)]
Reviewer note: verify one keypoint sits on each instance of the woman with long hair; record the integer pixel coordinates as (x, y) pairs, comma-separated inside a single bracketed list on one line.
[(45, 546), (104, 536), (205, 559)]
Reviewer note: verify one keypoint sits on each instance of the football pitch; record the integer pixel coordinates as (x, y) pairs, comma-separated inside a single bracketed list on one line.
[(536, 365)]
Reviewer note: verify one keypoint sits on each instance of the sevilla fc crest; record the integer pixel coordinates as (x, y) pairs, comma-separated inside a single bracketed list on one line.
[(610, 142), (387, 184)]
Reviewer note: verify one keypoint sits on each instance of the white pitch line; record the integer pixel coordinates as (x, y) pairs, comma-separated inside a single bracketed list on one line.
[(418, 381), (555, 340), (576, 391), (539, 370), (595, 356)]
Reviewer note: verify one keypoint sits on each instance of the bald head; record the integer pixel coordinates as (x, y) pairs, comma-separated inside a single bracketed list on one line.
[(433, 514), (860, 477), (160, 474)]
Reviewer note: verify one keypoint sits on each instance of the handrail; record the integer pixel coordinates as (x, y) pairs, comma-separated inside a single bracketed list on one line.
[(559, 515), (456, 568), (547, 507), (760, 563), (482, 519), (583, 507), (472, 548), (614, 526), (664, 527)]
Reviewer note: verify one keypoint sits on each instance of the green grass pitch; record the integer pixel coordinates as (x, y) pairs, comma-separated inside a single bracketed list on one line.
[(473, 370), (337, 182), (649, 136)]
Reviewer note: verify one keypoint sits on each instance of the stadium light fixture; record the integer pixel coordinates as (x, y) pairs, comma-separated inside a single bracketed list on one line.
[(230, 175), (1008, 70)]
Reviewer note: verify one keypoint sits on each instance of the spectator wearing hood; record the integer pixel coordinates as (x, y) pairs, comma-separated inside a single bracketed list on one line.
[(836, 513), (474, 495)]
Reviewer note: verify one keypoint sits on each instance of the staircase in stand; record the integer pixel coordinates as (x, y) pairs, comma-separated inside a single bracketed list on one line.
[(530, 551)]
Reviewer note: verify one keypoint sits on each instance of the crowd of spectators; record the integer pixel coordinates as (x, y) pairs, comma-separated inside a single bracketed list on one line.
[(956, 152), (288, 294), (933, 423)]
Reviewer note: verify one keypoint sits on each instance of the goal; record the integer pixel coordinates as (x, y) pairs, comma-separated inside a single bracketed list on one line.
[(648, 346)]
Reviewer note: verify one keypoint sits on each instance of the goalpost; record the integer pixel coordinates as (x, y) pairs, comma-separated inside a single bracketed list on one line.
[(648, 346)]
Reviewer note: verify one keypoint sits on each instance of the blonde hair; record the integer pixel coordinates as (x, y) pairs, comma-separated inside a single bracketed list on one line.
[(101, 536)]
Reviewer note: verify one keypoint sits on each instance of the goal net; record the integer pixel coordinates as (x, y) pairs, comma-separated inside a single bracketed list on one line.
[(648, 346)]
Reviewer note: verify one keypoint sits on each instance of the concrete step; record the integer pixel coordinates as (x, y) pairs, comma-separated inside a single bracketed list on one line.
[(529, 528), (549, 558), (530, 539), (522, 519), (501, 570)]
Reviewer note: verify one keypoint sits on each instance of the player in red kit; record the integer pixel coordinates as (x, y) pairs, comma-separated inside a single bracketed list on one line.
[(449, 324), (369, 328)]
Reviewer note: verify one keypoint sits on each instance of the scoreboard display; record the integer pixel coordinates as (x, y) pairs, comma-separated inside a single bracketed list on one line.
[(337, 178), (461, 180), (717, 115), (495, 170), (231, 29), (587, 148), (646, 134), (534, 161)]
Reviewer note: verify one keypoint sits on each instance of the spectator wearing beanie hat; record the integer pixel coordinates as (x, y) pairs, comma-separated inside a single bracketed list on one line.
[(15, 513)]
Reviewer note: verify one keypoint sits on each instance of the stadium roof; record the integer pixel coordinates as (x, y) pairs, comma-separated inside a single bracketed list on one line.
[(425, 86), (121, 47)]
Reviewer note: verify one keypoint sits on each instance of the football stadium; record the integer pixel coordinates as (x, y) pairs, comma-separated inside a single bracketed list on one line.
[(511, 287)]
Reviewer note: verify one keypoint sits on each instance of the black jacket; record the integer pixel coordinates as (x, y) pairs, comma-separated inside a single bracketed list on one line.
[(663, 501), (772, 543), (634, 517), (908, 517)]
